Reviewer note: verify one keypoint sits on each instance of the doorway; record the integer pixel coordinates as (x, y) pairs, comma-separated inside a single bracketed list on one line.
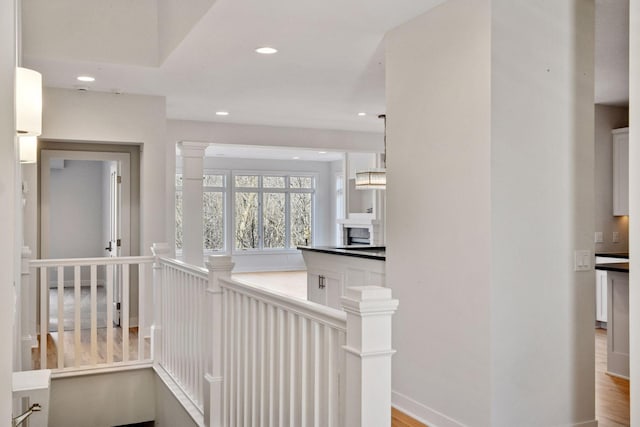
[(84, 212)]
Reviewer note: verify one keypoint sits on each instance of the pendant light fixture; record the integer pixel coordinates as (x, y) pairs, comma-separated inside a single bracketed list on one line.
[(375, 179)]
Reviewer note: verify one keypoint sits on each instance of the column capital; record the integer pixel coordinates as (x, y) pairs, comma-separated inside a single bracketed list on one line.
[(192, 148), (220, 263), (369, 300), (160, 249)]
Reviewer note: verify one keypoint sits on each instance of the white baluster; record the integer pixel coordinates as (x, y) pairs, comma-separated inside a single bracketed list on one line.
[(110, 269), (94, 314), (142, 308), (124, 313), (44, 317), (60, 346), (369, 310), (77, 328)]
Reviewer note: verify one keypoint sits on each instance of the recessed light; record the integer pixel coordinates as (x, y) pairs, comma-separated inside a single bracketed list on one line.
[(362, 114), (322, 152), (296, 158), (86, 78), (222, 113), (266, 50)]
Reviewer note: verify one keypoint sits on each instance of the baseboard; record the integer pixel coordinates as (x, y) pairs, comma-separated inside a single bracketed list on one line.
[(421, 413), (433, 418), (592, 423)]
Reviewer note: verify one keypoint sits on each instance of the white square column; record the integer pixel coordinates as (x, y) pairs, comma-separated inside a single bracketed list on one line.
[(192, 172)]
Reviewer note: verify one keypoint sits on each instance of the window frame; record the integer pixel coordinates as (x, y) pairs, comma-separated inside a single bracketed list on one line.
[(260, 190), (229, 190), (225, 209)]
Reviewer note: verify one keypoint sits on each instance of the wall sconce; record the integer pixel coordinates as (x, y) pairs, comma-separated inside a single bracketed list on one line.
[(28, 149), (28, 102)]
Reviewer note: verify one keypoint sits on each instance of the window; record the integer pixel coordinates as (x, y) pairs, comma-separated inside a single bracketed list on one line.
[(268, 211), (272, 211), (213, 211)]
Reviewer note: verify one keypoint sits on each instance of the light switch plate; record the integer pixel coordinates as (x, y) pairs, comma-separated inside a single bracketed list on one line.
[(599, 237), (582, 260), (616, 237)]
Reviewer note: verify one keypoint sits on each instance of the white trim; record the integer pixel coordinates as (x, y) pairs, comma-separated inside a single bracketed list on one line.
[(422, 413), (102, 369), (125, 208)]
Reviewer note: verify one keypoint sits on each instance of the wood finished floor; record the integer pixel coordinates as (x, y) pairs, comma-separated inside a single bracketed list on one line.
[(612, 393), (85, 351), (292, 283)]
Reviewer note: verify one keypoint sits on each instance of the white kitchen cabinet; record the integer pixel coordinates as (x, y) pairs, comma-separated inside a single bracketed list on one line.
[(618, 325), (601, 295), (329, 274), (620, 172), (325, 287)]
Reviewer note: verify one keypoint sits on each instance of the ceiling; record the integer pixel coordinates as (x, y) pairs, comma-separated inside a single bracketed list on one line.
[(200, 55)]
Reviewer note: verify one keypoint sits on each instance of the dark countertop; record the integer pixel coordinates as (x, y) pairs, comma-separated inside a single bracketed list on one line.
[(622, 267), (370, 252), (613, 254)]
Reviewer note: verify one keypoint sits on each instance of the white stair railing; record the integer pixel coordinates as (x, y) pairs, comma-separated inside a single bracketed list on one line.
[(278, 360), (94, 344)]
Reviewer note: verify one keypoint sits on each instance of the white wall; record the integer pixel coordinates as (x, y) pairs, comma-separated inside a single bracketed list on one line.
[(10, 210), (438, 213), (542, 164), (324, 217), (490, 164), (103, 400), (608, 118), (126, 119), (169, 412), (76, 210)]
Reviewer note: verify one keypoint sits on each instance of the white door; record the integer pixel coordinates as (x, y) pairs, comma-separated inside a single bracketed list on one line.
[(114, 242)]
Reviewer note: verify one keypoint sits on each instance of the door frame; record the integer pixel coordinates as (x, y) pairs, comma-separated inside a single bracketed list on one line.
[(44, 187)]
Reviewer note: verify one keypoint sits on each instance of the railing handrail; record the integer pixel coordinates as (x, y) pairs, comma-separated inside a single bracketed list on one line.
[(70, 262), (321, 313), (187, 268)]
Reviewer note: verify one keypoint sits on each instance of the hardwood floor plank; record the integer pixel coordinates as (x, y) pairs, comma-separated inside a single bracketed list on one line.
[(85, 351), (400, 419)]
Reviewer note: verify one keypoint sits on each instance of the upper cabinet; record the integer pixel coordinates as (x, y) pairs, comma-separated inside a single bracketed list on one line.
[(620, 172)]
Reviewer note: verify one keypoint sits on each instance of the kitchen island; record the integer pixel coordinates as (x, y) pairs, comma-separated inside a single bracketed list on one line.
[(617, 289), (332, 269)]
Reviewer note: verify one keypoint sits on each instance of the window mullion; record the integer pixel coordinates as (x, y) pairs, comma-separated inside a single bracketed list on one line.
[(287, 219)]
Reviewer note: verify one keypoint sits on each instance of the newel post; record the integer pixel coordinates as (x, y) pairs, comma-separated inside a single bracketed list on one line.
[(27, 326), (368, 355), (220, 267), (158, 250)]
